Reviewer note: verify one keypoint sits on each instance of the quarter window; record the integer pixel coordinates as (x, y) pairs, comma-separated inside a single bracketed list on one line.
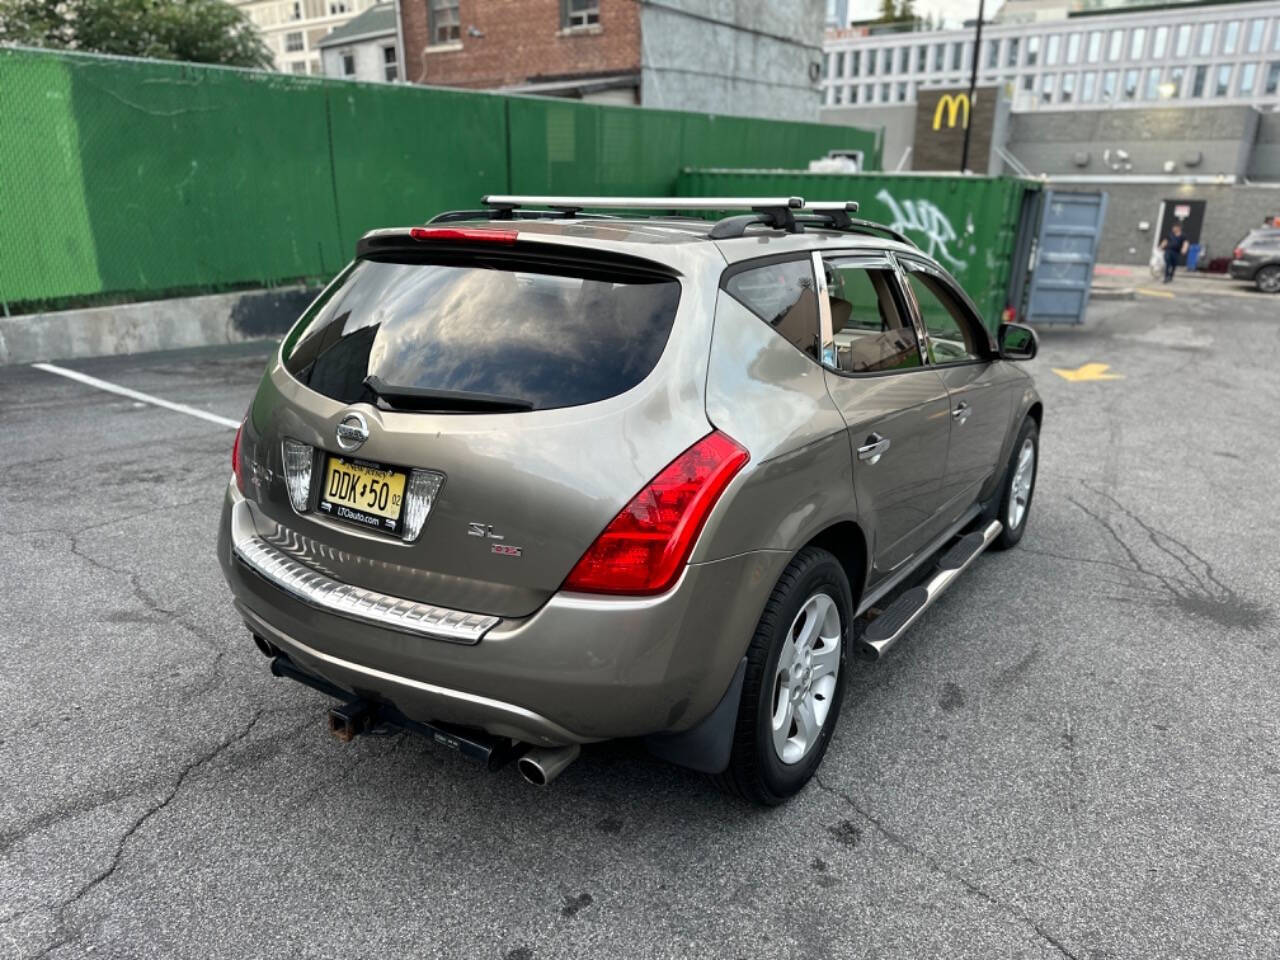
[(782, 295), (870, 333), (949, 327), (443, 21)]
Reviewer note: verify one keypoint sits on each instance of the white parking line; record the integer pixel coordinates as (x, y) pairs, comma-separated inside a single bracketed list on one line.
[(137, 395)]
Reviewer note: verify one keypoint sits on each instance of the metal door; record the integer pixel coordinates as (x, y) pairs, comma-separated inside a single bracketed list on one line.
[(1066, 248)]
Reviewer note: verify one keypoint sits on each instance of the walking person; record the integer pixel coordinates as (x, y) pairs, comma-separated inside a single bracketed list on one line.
[(1173, 246)]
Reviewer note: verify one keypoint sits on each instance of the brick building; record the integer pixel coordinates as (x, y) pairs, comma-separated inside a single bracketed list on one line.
[(751, 57)]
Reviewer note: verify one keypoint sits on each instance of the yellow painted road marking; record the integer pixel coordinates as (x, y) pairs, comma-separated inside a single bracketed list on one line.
[(1147, 291), (1089, 371)]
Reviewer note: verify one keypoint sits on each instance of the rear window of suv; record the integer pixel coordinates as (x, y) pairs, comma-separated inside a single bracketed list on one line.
[(441, 333)]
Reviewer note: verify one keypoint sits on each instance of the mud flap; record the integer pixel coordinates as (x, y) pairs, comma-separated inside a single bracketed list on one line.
[(707, 746)]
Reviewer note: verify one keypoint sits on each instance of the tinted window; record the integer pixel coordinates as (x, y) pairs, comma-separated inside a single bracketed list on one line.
[(545, 338), (870, 333), (782, 295), (950, 332)]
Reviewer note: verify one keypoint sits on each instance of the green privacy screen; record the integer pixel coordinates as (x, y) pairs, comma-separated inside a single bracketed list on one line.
[(967, 223), (135, 177)]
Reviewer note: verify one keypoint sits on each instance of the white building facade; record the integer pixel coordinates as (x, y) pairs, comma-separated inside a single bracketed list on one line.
[(1186, 56), (293, 29)]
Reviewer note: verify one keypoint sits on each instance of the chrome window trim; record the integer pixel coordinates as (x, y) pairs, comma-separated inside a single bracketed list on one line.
[(356, 603)]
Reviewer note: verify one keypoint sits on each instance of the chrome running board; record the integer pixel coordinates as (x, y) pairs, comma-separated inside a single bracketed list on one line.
[(887, 629)]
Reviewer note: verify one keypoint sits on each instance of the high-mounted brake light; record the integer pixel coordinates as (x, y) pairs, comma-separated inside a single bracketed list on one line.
[(472, 234), (644, 548), (236, 463)]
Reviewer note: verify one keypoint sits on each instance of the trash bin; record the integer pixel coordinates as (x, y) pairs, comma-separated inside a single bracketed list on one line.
[(1193, 256)]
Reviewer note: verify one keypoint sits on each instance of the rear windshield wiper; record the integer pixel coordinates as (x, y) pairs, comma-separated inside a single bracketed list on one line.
[(425, 399)]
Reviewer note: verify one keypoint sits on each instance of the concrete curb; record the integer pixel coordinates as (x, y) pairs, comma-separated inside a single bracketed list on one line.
[(1113, 293), (151, 325)]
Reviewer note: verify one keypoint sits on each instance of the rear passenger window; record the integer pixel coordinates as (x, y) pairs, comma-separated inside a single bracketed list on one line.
[(870, 333), (781, 294)]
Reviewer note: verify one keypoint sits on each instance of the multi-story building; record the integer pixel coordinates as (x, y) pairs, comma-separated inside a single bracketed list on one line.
[(293, 29), (750, 57), (364, 48), (1095, 59)]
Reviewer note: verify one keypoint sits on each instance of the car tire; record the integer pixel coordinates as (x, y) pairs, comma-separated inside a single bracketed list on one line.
[(1018, 487), (795, 612), (1268, 279)]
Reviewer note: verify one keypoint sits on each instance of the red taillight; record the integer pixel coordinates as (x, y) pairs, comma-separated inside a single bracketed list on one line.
[(235, 459), (644, 548), (1238, 252), (481, 234)]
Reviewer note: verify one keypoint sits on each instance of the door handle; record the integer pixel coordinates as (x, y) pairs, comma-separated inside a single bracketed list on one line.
[(961, 413), (875, 446)]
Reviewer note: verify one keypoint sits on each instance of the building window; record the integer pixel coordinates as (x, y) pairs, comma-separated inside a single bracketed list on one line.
[(1011, 54), (1114, 45), (390, 66), (1033, 51), (1130, 84), (1095, 46), (853, 94), (295, 10), (1182, 41), (293, 42), (871, 63), (886, 61), (939, 54), (826, 66), (1109, 86), (1051, 50), (1073, 48), (957, 55), (840, 64), (1206, 40), (1273, 77), (884, 93), (904, 59), (576, 13), (855, 61), (1029, 81), (298, 66), (1197, 85), (1137, 42), (1152, 90), (902, 92), (922, 58), (1068, 87), (337, 7), (1046, 88), (442, 17), (993, 53), (1175, 82), (1159, 41), (838, 95), (1088, 86), (1248, 77), (1256, 29), (1231, 37), (348, 64), (1222, 85)]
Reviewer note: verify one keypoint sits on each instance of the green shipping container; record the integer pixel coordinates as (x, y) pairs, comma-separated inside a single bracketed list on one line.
[(967, 223)]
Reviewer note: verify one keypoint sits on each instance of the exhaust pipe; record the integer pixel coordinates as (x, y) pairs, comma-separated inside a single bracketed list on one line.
[(544, 764), (265, 648)]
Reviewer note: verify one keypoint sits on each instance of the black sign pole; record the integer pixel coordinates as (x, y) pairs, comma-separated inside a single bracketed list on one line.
[(973, 85)]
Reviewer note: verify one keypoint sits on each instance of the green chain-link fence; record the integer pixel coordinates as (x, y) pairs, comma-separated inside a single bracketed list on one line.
[(137, 178)]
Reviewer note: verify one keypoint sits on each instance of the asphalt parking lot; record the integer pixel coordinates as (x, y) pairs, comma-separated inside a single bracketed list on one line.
[(1074, 754)]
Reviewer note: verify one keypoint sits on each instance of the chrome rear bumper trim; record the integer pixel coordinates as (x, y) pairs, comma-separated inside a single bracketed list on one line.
[(357, 603)]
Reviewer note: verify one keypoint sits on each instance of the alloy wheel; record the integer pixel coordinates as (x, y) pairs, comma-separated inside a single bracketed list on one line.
[(805, 682), (1020, 486)]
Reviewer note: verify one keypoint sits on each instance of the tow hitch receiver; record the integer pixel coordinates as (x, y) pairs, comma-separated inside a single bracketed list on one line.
[(359, 716), (352, 719)]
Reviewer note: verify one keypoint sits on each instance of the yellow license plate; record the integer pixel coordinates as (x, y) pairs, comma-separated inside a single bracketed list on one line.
[(363, 493)]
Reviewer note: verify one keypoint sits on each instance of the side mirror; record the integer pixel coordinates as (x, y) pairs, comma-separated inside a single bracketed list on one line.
[(1017, 342)]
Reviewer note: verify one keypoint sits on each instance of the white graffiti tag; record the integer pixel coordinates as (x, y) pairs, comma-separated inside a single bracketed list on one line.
[(922, 216)]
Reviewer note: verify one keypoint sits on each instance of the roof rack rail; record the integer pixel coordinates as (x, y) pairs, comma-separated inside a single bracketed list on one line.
[(776, 212), (836, 215)]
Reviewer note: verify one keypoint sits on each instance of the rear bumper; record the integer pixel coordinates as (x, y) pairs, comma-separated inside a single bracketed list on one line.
[(1243, 269), (581, 668)]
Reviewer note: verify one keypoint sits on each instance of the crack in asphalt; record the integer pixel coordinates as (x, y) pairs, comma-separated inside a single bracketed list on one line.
[(941, 869), (61, 907)]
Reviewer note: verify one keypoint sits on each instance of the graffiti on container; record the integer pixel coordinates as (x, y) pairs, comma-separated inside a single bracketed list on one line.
[(924, 217)]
